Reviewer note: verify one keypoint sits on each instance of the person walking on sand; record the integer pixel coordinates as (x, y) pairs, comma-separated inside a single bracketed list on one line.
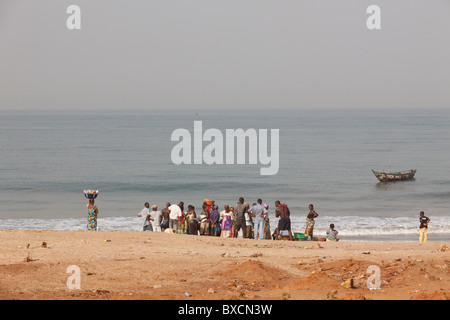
[(156, 217), (92, 216), (423, 228), (165, 217), (282, 211), (144, 214), (310, 221), (257, 212)]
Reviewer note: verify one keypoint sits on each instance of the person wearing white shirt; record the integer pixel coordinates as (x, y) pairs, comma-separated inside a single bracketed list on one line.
[(174, 213), (257, 212), (144, 214), (156, 217)]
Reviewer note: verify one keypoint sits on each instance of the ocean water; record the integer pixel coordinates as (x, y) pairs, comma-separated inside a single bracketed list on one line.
[(326, 157)]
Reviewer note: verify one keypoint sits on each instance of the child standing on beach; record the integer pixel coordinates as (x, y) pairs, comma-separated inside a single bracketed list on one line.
[(423, 227), (332, 234)]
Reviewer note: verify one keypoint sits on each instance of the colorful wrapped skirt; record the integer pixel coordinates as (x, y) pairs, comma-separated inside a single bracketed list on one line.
[(309, 227), (92, 219), (227, 226), (267, 234), (183, 224)]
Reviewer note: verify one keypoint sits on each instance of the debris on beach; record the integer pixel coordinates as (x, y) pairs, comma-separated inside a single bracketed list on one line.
[(352, 296), (285, 296), (29, 259), (256, 255), (348, 284), (332, 295)]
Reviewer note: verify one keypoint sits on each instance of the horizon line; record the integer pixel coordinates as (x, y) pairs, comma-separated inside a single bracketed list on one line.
[(203, 109)]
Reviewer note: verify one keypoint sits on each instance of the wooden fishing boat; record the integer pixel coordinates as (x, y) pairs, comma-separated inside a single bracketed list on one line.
[(394, 176)]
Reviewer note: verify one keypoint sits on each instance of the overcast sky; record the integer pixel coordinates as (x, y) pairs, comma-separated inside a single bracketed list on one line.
[(246, 54)]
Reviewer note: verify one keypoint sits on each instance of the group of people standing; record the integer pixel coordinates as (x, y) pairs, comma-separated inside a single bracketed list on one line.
[(151, 218), (252, 220)]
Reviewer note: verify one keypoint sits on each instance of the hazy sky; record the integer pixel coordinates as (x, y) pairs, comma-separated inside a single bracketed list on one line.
[(246, 54)]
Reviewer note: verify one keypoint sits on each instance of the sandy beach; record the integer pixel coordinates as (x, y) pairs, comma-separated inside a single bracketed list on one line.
[(132, 265)]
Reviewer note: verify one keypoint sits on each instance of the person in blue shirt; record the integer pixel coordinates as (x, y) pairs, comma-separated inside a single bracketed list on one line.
[(257, 212)]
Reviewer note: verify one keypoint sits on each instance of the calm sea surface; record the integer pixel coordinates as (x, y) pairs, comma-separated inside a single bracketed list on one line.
[(48, 159)]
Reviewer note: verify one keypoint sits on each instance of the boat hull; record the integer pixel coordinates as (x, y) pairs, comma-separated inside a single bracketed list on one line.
[(394, 176)]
